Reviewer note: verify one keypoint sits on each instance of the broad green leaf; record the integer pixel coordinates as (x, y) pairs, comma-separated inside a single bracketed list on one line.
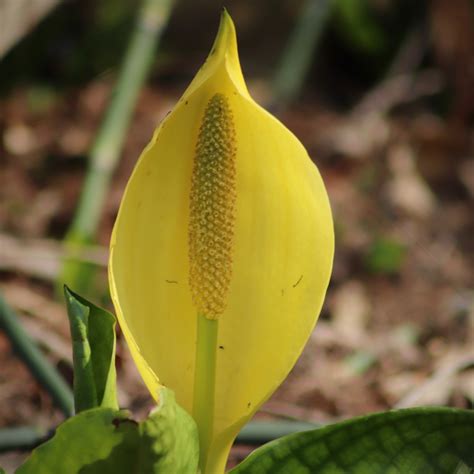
[(87, 443), (412, 441), (93, 339), (178, 454), (107, 441)]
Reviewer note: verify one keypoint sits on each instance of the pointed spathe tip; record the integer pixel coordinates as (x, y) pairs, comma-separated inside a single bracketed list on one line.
[(225, 16), (226, 40), (225, 48)]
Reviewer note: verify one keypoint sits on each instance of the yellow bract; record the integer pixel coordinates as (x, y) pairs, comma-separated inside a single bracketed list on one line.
[(225, 215)]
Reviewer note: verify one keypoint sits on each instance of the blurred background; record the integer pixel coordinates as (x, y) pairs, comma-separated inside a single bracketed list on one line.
[(381, 93)]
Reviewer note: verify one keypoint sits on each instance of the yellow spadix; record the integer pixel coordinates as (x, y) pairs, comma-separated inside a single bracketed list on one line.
[(221, 253)]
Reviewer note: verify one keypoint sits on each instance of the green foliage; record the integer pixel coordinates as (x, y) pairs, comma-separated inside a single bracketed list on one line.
[(359, 24), (171, 434), (415, 441), (93, 340), (385, 256), (103, 441), (101, 436)]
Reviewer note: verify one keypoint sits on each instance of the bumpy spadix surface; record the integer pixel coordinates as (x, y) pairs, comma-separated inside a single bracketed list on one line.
[(226, 215), (211, 216)]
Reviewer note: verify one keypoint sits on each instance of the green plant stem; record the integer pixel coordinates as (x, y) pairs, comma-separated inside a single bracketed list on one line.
[(299, 51), (204, 384), (106, 149), (42, 370), (260, 432), (21, 438)]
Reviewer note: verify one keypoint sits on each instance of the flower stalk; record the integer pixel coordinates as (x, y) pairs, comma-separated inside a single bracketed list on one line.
[(204, 384)]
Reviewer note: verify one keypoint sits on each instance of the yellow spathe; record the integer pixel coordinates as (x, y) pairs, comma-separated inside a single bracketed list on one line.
[(281, 253)]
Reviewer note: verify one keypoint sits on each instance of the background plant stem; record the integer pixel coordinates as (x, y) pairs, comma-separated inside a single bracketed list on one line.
[(42, 370), (299, 51), (106, 149), (21, 438), (260, 432)]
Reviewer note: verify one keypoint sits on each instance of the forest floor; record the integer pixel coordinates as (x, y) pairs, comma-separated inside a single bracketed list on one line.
[(397, 328)]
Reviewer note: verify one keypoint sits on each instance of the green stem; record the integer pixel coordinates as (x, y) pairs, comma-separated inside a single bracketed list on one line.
[(21, 438), (260, 432), (106, 149), (40, 367), (299, 51), (204, 384)]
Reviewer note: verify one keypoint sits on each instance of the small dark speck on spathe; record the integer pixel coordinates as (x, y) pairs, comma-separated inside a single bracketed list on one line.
[(221, 347), (298, 282)]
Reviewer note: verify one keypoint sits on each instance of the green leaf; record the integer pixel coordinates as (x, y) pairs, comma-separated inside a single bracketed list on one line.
[(93, 341), (85, 441), (107, 441), (412, 441), (178, 454)]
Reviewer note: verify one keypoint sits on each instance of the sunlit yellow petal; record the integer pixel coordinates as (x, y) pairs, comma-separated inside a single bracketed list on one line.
[(280, 253)]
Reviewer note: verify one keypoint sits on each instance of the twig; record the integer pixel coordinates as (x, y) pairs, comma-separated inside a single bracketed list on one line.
[(401, 82), (440, 376), (411, 52), (41, 258), (42, 370), (395, 90), (106, 149), (291, 412), (18, 17), (55, 345)]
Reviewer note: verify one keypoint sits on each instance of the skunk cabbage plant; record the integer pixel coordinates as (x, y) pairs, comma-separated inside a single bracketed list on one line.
[(221, 253), (220, 260)]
